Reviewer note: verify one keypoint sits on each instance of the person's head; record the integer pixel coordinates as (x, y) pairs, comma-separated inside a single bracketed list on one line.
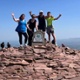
[(22, 17), (41, 13), (49, 14), (33, 16)]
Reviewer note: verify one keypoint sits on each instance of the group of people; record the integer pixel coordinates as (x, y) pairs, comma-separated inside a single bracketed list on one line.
[(25, 28)]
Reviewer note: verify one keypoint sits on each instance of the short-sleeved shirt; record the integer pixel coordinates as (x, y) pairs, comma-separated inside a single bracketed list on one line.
[(32, 25), (21, 26), (49, 21)]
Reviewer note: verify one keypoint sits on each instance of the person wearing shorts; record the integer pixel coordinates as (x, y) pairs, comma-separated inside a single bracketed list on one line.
[(41, 20), (50, 29)]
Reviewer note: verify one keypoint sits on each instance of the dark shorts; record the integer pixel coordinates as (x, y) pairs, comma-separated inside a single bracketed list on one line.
[(50, 29), (43, 28)]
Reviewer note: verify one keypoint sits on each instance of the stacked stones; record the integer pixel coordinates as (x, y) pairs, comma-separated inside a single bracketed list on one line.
[(40, 63)]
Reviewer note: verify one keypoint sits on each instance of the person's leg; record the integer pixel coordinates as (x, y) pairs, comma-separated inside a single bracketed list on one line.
[(49, 37), (31, 36), (48, 32), (20, 38), (25, 36), (28, 37), (54, 37), (44, 30)]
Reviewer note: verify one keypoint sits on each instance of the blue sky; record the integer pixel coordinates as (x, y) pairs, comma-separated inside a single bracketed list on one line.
[(68, 26)]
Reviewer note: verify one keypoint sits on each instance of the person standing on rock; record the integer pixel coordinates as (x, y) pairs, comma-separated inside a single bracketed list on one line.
[(41, 21), (32, 23), (21, 28), (50, 29)]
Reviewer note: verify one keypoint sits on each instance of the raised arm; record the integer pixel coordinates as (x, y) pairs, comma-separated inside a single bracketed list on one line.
[(31, 14), (36, 26), (57, 17), (45, 17), (16, 20)]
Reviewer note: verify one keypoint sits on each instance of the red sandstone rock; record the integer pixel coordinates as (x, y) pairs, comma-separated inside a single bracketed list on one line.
[(39, 50), (40, 63)]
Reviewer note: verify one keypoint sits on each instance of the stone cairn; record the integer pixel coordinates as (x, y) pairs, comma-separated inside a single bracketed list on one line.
[(47, 62)]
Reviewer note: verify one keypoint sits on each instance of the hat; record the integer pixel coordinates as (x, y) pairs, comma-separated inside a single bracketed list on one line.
[(41, 11)]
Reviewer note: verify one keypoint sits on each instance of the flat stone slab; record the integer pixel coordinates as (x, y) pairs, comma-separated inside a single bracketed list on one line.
[(40, 63)]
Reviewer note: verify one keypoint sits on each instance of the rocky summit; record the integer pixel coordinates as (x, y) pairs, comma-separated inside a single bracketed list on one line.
[(47, 62)]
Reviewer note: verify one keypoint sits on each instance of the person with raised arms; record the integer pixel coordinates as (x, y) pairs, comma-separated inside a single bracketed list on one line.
[(21, 28), (50, 29), (41, 20)]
